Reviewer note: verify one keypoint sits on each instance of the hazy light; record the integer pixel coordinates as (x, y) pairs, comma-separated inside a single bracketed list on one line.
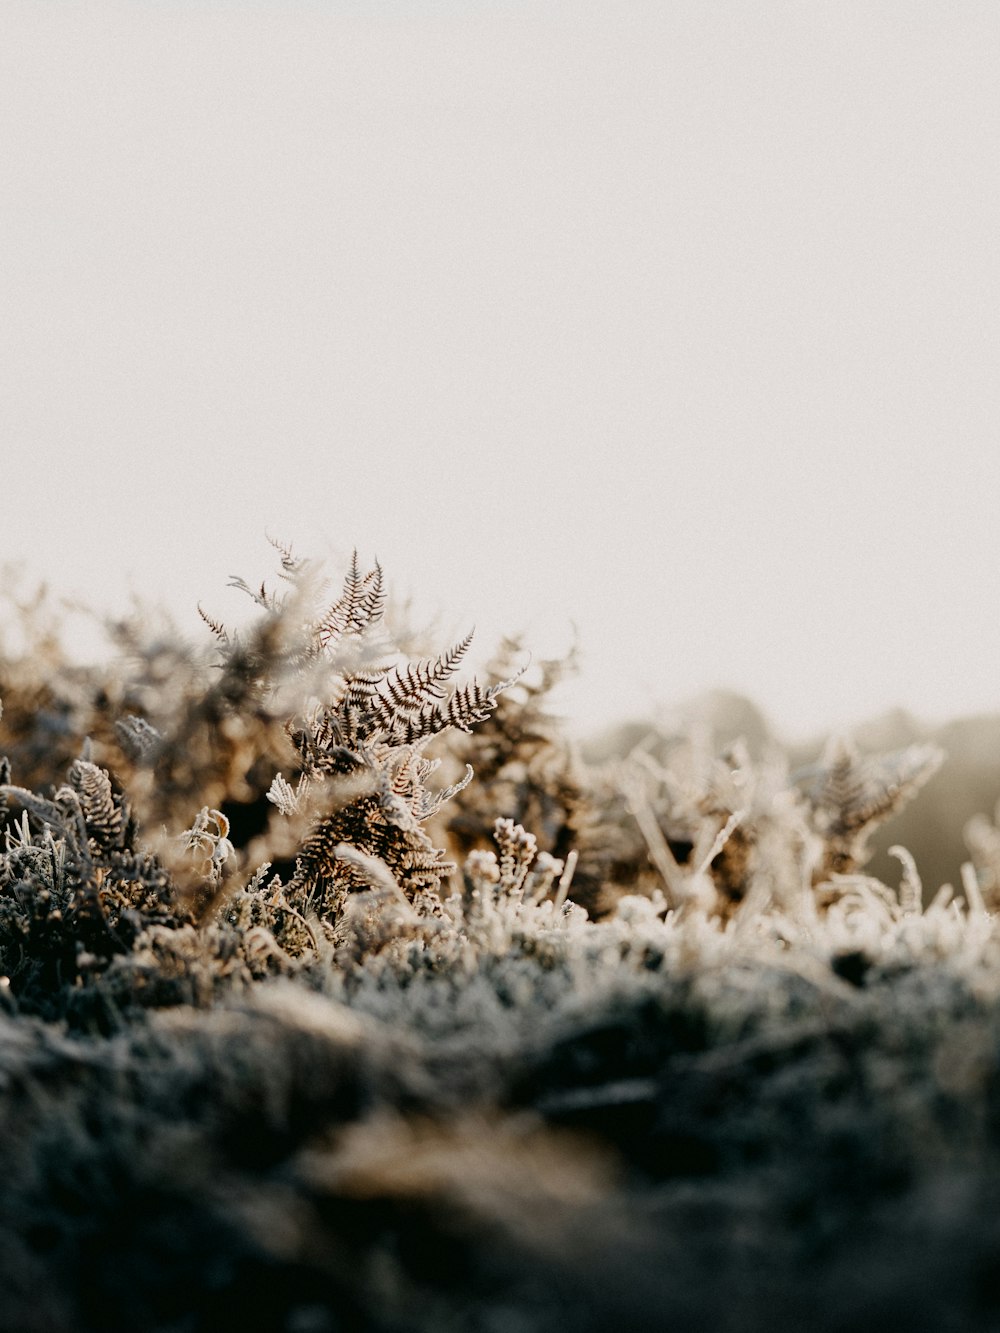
[(675, 321)]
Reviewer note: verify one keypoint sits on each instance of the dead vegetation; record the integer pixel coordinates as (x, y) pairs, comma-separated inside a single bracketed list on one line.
[(339, 992)]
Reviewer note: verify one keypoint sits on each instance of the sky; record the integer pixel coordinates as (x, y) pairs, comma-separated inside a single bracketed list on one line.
[(672, 325)]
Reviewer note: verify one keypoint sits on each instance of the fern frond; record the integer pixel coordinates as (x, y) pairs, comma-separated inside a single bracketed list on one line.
[(102, 816), (428, 804), (267, 601), (353, 594), (291, 564), (362, 686), (414, 685), (373, 601), (360, 604), (853, 794), (287, 798), (372, 870), (470, 704), (216, 626), (419, 727), (408, 689), (447, 663)]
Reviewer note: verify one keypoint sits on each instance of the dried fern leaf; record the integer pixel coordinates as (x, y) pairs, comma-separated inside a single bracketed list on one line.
[(102, 816)]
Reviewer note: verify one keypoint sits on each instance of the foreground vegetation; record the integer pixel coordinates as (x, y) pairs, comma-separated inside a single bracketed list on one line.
[(339, 993)]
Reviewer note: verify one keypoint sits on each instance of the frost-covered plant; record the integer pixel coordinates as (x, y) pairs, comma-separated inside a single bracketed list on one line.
[(850, 795), (719, 831), (311, 689), (77, 888), (526, 768), (307, 1073)]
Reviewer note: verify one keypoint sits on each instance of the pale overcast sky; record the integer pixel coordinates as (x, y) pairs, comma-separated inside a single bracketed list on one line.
[(679, 321)]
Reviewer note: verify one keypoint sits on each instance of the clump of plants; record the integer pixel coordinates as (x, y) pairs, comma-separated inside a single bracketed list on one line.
[(337, 991), (311, 710)]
